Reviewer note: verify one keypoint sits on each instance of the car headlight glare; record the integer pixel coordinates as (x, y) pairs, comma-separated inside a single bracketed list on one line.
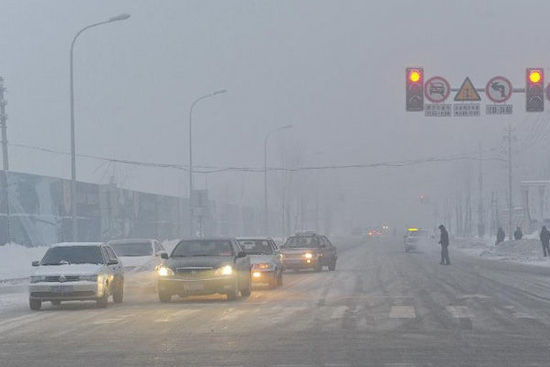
[(37, 278), (308, 255), (225, 270), (164, 271)]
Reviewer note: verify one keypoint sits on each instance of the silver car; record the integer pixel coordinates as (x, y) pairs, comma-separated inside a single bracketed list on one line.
[(77, 271), (265, 257)]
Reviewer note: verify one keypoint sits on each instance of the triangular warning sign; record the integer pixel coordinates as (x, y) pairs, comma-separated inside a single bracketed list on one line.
[(467, 92)]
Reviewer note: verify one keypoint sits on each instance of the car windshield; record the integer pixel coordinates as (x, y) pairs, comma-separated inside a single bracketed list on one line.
[(72, 255), (302, 242), (133, 248), (203, 248), (256, 247), (418, 234)]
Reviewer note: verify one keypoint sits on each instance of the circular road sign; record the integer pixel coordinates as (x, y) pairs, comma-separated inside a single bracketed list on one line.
[(437, 89), (498, 89)]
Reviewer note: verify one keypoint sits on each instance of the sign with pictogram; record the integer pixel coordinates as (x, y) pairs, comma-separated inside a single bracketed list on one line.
[(499, 89), (437, 89), (467, 92)]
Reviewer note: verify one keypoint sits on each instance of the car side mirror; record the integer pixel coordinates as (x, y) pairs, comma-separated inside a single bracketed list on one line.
[(36, 263), (241, 254), (164, 255), (112, 262)]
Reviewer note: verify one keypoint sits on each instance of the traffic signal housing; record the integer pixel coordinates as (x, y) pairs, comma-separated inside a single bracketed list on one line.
[(415, 89), (534, 90)]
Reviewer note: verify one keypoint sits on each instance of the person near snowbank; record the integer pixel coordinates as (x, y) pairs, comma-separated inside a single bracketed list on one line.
[(500, 235), (545, 241), (518, 234), (444, 242)]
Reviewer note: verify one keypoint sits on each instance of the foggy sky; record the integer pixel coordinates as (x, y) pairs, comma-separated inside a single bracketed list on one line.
[(333, 69)]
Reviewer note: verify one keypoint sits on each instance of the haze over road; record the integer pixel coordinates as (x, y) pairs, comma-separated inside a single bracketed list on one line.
[(381, 307)]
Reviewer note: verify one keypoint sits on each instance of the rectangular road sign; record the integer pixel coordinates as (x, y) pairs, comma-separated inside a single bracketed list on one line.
[(499, 109), (466, 109), (437, 110)]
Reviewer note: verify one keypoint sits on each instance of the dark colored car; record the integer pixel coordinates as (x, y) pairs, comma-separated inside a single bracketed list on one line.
[(205, 266), (309, 251)]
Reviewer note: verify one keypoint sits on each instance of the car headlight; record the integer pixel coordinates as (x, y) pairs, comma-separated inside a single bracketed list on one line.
[(308, 255), (89, 278), (263, 266), (37, 278), (164, 271), (224, 270)]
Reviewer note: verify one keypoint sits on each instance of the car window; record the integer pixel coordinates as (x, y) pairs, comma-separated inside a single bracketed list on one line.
[(159, 247), (73, 255), (142, 248), (111, 253), (302, 241), (190, 248), (256, 247)]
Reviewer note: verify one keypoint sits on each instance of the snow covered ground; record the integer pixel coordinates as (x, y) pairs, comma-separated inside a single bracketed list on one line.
[(15, 260), (525, 251)]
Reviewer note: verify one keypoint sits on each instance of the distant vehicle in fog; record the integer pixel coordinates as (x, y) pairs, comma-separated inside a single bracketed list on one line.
[(415, 238), (77, 271), (265, 257), (309, 250), (205, 266)]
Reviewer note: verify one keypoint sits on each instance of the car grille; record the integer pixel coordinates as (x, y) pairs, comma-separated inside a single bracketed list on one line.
[(195, 272), (293, 256), (66, 278)]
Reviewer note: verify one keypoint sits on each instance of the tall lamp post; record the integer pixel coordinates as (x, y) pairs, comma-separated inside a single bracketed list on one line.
[(266, 207), (73, 148), (209, 95)]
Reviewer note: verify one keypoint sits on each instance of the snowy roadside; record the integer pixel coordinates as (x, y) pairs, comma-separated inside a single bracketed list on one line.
[(15, 261), (525, 251)]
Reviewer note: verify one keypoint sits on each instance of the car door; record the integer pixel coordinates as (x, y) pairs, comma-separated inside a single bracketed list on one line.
[(330, 250), (114, 269)]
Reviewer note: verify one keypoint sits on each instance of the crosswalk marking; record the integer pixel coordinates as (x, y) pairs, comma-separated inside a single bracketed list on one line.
[(402, 312), (460, 312)]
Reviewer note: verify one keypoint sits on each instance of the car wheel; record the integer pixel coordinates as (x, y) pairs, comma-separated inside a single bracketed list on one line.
[(234, 293), (165, 297), (332, 265), (119, 294), (247, 291), (103, 301), (56, 303), (35, 304)]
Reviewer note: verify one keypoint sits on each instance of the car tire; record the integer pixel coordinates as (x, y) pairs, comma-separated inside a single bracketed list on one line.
[(234, 293), (245, 293), (332, 265), (56, 303), (118, 296), (102, 302), (165, 297), (35, 304)]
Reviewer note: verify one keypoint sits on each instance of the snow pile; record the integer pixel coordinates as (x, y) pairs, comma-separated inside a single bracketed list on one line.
[(525, 250), (15, 260)]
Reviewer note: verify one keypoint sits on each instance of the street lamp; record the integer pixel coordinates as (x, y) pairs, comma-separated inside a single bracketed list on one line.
[(73, 148), (209, 95), (266, 208)]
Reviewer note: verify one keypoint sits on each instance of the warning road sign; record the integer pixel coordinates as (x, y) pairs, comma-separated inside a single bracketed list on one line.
[(499, 89), (467, 92), (437, 89)]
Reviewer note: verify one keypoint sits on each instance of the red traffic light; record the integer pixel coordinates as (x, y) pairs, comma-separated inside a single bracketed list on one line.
[(535, 76)]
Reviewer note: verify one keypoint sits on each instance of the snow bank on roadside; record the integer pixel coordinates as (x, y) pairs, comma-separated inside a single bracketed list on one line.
[(525, 251), (15, 260)]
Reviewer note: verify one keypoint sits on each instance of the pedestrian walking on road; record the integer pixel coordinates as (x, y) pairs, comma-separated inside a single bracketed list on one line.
[(444, 242), (518, 234), (500, 235), (545, 241)]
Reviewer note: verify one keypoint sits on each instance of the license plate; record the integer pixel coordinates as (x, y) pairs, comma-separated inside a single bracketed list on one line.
[(61, 288), (193, 287)]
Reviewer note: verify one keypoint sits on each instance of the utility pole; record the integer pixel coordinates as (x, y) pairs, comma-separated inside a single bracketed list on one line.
[(6, 166), (480, 219), (510, 206)]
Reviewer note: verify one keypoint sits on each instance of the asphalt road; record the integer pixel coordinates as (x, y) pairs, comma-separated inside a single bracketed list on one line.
[(381, 307)]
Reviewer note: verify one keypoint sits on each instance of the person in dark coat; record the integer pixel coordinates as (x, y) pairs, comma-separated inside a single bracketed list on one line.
[(444, 242), (500, 235), (518, 234), (545, 241)]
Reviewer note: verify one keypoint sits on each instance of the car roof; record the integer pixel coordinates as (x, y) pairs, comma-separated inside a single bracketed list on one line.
[(130, 241), (73, 244), (208, 239), (254, 238)]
